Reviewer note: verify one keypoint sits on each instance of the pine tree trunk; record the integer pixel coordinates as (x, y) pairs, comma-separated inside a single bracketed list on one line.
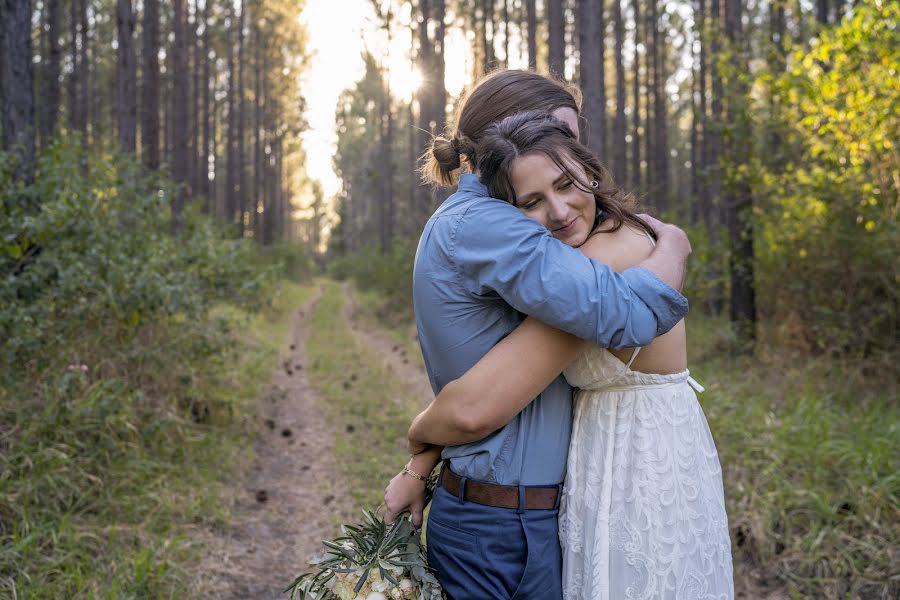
[(506, 33), (660, 141), (207, 187), (180, 130), (84, 88), (150, 85), (52, 72), (257, 121), (556, 25), (620, 163), (739, 200), (242, 112), (593, 84), (714, 214), (16, 81), (636, 100), (703, 158), (198, 168), (126, 99), (531, 10), (231, 134)]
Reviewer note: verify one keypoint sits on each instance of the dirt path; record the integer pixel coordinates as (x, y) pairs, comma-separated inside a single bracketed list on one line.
[(395, 358), (289, 498)]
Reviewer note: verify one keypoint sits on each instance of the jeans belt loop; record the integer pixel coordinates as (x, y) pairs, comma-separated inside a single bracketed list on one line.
[(559, 493), (462, 489), (521, 509)]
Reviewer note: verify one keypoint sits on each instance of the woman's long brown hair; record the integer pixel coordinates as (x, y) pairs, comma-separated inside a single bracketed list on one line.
[(538, 131)]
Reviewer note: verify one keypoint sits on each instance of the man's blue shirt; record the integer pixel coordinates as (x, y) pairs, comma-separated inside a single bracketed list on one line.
[(481, 266)]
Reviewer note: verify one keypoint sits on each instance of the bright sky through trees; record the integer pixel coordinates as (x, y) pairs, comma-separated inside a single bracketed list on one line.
[(339, 32)]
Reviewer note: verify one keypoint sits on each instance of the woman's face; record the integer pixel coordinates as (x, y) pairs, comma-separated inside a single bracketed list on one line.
[(546, 193)]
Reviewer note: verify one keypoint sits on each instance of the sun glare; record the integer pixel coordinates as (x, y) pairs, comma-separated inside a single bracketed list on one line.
[(405, 80)]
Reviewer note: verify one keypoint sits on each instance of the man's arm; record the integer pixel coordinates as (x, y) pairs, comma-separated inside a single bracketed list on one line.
[(498, 249)]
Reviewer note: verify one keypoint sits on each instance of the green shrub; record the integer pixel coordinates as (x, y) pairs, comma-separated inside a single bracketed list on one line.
[(389, 273), (98, 252)]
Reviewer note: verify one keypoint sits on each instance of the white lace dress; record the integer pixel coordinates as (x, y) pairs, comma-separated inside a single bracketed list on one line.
[(643, 511)]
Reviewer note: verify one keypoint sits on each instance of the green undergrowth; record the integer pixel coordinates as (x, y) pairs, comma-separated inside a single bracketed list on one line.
[(369, 407), (109, 465), (812, 476)]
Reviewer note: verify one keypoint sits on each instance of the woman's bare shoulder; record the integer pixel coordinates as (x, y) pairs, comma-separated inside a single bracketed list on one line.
[(620, 249)]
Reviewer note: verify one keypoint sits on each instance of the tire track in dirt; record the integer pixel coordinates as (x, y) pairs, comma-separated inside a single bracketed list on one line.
[(288, 500), (393, 356)]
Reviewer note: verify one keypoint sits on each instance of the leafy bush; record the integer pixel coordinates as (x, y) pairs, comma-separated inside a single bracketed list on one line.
[(120, 375), (389, 273), (98, 252), (827, 207)]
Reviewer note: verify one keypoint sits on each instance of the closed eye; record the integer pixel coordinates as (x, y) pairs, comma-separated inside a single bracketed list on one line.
[(531, 203)]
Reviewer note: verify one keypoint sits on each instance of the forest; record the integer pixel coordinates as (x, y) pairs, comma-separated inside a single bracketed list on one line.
[(162, 236)]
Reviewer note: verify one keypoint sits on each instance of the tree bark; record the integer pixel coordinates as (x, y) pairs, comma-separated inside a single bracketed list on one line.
[(739, 203), (207, 187), (531, 11), (257, 130), (52, 72), (593, 84), (180, 129), (84, 76), (703, 157), (636, 100), (16, 81), (557, 50), (126, 100), (242, 112), (620, 164), (150, 91), (231, 135), (660, 142)]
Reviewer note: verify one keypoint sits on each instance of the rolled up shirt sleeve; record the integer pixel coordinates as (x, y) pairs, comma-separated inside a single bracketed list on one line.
[(499, 250)]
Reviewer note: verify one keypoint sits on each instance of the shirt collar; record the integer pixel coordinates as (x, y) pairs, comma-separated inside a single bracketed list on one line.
[(469, 183)]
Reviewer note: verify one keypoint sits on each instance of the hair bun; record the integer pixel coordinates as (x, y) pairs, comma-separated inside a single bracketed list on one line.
[(446, 152)]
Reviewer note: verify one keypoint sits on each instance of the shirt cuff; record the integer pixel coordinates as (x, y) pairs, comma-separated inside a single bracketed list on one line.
[(667, 304)]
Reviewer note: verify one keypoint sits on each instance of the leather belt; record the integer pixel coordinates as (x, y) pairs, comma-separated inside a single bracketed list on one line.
[(500, 496)]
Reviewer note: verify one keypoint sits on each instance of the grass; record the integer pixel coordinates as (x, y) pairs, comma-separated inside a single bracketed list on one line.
[(369, 408), (105, 472), (812, 476)]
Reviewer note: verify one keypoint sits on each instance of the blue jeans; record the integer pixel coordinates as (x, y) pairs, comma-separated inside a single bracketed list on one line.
[(488, 553)]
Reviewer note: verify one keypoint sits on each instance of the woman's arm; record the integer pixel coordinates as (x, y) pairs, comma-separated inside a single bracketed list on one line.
[(518, 368)]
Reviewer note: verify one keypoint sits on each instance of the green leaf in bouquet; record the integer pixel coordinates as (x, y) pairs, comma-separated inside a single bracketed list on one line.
[(362, 580)]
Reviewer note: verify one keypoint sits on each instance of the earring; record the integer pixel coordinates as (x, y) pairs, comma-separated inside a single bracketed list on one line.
[(595, 184)]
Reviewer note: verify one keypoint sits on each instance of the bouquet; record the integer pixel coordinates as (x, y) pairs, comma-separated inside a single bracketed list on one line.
[(372, 560)]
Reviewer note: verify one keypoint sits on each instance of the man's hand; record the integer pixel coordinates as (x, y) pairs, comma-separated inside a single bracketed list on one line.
[(402, 494), (669, 259)]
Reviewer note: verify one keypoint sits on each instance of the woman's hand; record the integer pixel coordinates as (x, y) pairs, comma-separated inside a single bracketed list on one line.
[(405, 492)]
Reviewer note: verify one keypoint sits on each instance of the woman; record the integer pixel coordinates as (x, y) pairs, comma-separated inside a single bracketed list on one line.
[(643, 510)]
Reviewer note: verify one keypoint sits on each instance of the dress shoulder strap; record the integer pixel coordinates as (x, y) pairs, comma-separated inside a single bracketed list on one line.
[(633, 356)]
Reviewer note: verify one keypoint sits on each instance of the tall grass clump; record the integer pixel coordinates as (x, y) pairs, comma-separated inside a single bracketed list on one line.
[(117, 377)]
